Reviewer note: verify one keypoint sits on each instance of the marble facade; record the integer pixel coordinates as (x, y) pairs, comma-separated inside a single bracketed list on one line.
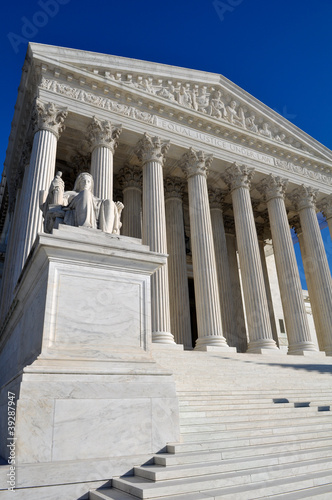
[(211, 180)]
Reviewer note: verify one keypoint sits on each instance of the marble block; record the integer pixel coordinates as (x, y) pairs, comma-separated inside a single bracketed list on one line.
[(77, 351)]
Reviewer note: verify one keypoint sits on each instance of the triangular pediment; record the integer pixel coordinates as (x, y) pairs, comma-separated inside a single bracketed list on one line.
[(208, 97)]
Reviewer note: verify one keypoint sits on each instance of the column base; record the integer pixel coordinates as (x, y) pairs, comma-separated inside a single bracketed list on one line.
[(163, 338), (302, 349), (328, 350), (318, 354), (213, 343), (264, 346)]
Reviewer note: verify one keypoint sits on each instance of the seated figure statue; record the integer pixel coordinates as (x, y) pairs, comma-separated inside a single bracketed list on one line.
[(79, 207)]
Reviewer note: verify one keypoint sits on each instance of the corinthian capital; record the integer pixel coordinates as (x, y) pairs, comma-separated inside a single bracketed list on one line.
[(47, 116), (151, 149), (272, 186), (303, 197), (130, 176), (174, 187), (102, 133), (216, 197), (238, 176), (196, 163), (326, 206)]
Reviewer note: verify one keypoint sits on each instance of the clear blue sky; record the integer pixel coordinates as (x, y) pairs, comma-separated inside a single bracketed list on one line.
[(278, 50)]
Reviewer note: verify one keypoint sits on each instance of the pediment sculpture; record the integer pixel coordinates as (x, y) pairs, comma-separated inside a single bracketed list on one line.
[(79, 207)]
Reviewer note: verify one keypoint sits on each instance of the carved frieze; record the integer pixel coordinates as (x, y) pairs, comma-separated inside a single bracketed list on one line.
[(311, 172), (211, 100), (102, 102)]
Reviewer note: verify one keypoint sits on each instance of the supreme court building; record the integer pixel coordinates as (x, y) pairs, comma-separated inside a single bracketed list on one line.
[(211, 181)]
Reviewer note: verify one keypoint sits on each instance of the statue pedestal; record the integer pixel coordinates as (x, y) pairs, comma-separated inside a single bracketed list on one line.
[(90, 400)]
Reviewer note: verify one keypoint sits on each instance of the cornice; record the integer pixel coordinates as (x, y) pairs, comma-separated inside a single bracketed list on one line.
[(131, 79)]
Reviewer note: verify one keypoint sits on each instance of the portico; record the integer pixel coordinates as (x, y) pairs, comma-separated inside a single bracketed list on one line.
[(141, 128)]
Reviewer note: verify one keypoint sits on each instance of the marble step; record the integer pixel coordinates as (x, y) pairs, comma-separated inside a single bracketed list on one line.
[(221, 425), (225, 403), (243, 450), (253, 394), (231, 442), (262, 406), (160, 473), (206, 435), (309, 493), (242, 417), (144, 488), (230, 412), (307, 486), (169, 459), (276, 409), (110, 494)]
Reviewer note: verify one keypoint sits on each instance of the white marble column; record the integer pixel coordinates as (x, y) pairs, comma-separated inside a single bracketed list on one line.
[(195, 165), (239, 318), (296, 321), (261, 243), (177, 263), (49, 123), (304, 199), (103, 139), (130, 180), (238, 177), (151, 152), (327, 211), (224, 280), (314, 298)]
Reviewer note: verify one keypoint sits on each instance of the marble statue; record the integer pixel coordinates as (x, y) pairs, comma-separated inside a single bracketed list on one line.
[(234, 117), (266, 131), (79, 207)]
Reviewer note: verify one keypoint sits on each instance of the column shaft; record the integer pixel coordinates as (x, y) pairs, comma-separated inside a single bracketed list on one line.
[(102, 172), (239, 318), (177, 272), (297, 327), (131, 220), (154, 235), (257, 312), (224, 280), (321, 277), (268, 291), (151, 151), (103, 139), (314, 298), (39, 176), (209, 323)]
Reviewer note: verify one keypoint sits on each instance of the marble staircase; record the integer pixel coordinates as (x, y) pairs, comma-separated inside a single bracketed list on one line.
[(252, 427)]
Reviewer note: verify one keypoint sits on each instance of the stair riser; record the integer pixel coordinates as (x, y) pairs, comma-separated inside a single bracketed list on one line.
[(162, 489), (272, 424), (223, 467), (208, 436), (297, 456), (251, 420), (246, 451), (274, 412)]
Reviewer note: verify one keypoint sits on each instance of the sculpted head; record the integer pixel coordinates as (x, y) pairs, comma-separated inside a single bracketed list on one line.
[(84, 182)]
